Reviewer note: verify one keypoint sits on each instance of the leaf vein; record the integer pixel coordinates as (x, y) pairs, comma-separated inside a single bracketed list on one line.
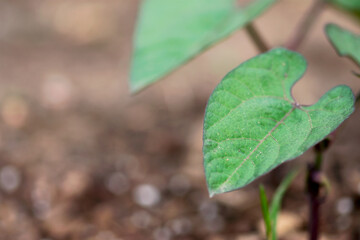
[(256, 148), (240, 104)]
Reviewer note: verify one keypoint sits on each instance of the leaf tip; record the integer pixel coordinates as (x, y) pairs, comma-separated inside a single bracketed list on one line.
[(212, 193), (329, 26), (134, 88)]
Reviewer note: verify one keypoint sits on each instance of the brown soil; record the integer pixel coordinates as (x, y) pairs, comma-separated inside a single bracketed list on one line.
[(82, 159)]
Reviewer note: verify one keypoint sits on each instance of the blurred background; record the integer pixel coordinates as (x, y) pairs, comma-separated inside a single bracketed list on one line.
[(82, 159)]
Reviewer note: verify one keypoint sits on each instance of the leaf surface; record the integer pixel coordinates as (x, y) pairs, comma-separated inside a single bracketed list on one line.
[(170, 32), (345, 42), (252, 124), (352, 5)]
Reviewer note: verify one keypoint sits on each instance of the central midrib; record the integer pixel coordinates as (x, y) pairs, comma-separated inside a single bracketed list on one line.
[(257, 146)]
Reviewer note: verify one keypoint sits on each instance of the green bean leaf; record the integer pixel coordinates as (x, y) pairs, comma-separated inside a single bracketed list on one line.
[(351, 5), (171, 32), (345, 42), (252, 123)]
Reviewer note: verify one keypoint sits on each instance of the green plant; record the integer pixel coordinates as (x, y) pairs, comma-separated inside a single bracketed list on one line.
[(252, 123), (345, 42), (166, 39), (270, 214)]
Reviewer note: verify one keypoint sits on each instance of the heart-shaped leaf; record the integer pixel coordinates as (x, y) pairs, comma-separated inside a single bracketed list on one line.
[(345, 42), (170, 32), (252, 124)]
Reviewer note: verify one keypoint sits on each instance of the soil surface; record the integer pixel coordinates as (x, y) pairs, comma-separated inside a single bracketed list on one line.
[(82, 159)]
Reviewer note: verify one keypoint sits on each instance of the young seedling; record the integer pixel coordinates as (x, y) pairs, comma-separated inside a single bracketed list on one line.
[(252, 123), (270, 214)]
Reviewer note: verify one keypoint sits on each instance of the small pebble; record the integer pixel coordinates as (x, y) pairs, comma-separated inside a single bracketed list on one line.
[(117, 183), (146, 195), (208, 210), (162, 233), (179, 185), (215, 225), (345, 206), (10, 178), (15, 111), (248, 236), (343, 222), (181, 226), (57, 92), (41, 197), (141, 219), (74, 183), (105, 235), (41, 208), (129, 164)]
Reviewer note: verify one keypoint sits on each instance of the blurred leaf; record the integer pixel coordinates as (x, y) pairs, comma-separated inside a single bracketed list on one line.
[(169, 33), (356, 74), (277, 199), (352, 5), (252, 124), (265, 211), (345, 42)]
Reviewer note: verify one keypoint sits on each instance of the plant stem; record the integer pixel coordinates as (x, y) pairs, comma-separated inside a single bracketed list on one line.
[(318, 159), (257, 39), (305, 24), (357, 99), (314, 170), (313, 188)]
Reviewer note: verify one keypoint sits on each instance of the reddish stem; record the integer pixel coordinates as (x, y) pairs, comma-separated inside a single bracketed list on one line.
[(313, 188), (257, 39), (305, 25)]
